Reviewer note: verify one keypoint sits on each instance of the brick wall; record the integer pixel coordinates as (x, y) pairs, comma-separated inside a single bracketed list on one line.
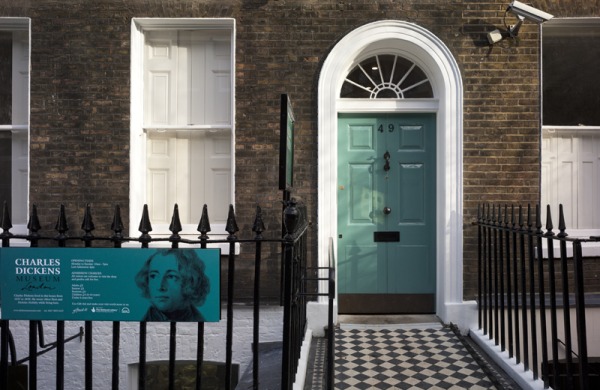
[(80, 93)]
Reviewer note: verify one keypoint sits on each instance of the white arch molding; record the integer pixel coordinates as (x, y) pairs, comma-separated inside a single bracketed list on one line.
[(430, 53)]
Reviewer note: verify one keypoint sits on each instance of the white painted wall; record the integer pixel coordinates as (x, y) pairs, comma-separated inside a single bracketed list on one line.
[(271, 319)]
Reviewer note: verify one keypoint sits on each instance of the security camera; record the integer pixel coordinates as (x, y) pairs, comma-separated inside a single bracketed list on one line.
[(528, 12)]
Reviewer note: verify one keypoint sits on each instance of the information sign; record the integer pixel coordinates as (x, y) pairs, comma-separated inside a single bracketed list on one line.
[(105, 284)]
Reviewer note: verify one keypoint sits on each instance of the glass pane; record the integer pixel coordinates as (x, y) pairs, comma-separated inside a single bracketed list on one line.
[(571, 54), (386, 77), (5, 78)]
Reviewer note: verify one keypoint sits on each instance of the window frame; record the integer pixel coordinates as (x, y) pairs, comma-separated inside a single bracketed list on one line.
[(590, 249), (138, 196), (20, 24)]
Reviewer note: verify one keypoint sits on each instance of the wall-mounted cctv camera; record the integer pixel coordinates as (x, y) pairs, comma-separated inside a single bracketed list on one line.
[(528, 12), (522, 11)]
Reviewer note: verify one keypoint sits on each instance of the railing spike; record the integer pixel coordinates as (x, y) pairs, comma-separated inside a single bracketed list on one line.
[(549, 225), (529, 218), (506, 215), (479, 212), (538, 219), (145, 226), (6, 223), (61, 224), (258, 227), (562, 226), (512, 217), (204, 224), (487, 213), (117, 223), (6, 226), (88, 224), (175, 226), (520, 217), (34, 225), (493, 214), (231, 227), (117, 226)]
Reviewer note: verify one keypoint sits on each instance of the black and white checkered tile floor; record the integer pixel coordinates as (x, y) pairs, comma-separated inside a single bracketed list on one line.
[(403, 359)]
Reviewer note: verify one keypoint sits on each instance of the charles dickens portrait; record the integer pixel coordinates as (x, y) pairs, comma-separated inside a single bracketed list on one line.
[(175, 283)]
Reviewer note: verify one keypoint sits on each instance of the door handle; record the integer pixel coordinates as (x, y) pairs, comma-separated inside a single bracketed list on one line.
[(387, 210)]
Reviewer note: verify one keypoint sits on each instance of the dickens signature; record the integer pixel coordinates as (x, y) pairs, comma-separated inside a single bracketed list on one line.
[(36, 287)]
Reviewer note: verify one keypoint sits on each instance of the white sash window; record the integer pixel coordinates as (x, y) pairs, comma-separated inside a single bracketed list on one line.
[(571, 123), (14, 118), (182, 121), (571, 126)]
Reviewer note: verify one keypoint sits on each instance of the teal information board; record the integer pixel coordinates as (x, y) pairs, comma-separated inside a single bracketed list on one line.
[(104, 284)]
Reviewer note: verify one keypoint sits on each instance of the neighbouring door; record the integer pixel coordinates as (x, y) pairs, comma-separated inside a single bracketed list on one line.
[(386, 213)]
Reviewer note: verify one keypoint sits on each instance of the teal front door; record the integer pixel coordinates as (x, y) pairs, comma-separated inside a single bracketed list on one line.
[(386, 213)]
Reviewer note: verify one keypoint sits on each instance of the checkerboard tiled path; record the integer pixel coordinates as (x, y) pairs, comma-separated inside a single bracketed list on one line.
[(405, 359)]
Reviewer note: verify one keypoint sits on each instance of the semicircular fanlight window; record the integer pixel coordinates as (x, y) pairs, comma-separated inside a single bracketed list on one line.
[(386, 76)]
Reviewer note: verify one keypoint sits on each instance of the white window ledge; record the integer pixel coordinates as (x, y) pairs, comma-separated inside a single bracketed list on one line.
[(589, 249)]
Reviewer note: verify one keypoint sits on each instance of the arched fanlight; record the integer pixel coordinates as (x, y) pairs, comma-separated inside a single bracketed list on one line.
[(386, 76)]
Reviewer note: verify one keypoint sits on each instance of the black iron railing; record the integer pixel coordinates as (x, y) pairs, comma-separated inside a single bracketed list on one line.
[(522, 295), (294, 245)]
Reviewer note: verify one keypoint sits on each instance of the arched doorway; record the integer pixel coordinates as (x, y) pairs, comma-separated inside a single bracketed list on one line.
[(417, 45)]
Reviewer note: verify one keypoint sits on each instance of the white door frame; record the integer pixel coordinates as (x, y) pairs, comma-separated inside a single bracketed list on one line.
[(428, 52)]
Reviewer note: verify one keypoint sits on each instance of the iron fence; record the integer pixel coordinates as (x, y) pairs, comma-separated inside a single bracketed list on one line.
[(523, 297), (294, 260)]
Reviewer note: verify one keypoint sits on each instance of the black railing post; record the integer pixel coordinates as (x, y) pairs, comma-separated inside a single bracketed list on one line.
[(258, 227), (290, 222), (565, 296), (515, 268), (34, 227), (580, 316), (62, 228), (488, 278), (509, 306), (117, 237), (88, 227), (496, 275), (501, 293), (331, 330), (231, 228), (174, 228), (552, 283), (488, 275), (542, 295), (203, 228), (479, 269), (533, 322), (145, 228), (523, 290)]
